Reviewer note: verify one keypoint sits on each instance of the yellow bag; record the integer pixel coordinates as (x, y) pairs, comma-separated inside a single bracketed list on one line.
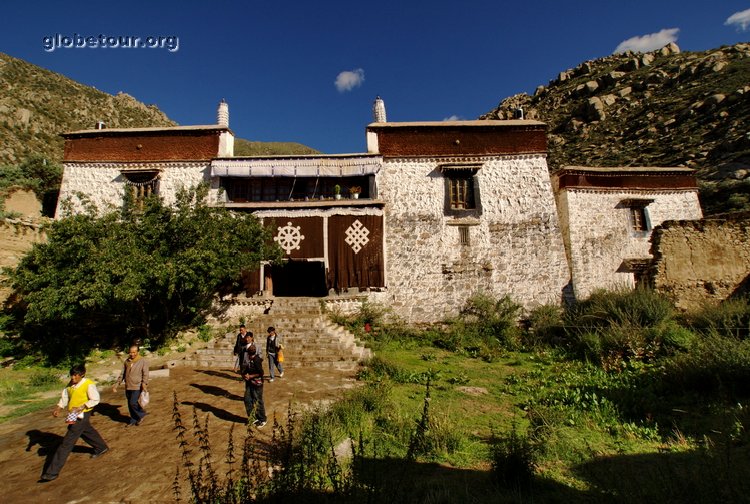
[(279, 356)]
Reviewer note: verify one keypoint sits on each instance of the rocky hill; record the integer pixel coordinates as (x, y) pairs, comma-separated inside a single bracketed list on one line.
[(36, 105), (663, 108)]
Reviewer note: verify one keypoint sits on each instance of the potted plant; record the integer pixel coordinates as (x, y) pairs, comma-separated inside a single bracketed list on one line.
[(337, 191), (354, 191)]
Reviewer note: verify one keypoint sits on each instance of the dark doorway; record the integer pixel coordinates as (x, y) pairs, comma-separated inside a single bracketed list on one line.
[(299, 279)]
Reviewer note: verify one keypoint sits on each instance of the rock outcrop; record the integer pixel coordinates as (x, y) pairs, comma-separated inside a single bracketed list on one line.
[(663, 108)]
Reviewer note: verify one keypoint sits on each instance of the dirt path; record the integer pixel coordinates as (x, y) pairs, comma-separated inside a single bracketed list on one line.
[(141, 463)]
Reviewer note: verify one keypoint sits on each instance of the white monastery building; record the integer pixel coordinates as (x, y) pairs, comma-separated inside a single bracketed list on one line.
[(431, 214)]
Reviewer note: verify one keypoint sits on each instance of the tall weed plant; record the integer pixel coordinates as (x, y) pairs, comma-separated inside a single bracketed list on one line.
[(513, 460)]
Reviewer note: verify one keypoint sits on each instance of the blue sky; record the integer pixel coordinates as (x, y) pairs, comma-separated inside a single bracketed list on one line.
[(308, 71)]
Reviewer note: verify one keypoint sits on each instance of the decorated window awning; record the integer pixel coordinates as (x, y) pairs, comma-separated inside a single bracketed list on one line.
[(140, 178), (297, 167), (460, 167), (636, 202)]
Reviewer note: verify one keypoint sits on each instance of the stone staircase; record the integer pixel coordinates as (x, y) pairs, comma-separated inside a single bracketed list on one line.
[(309, 338)]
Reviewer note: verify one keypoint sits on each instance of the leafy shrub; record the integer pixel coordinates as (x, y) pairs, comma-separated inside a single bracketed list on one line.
[(730, 318), (378, 368), (44, 378), (348, 413), (672, 336), (204, 332), (9, 346), (132, 273), (713, 363), (615, 327), (372, 313), (640, 307), (546, 326), (484, 326)]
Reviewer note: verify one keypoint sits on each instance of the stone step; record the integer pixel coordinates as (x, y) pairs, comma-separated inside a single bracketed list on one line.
[(342, 366), (288, 342), (309, 338)]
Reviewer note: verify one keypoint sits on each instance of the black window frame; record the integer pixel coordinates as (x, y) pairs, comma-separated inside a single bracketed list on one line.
[(461, 179)]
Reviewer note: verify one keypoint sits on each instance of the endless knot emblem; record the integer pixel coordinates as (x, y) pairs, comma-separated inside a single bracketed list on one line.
[(289, 237), (356, 236)]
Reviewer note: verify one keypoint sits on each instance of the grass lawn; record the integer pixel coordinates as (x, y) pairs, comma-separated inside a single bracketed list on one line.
[(587, 446), (24, 390)]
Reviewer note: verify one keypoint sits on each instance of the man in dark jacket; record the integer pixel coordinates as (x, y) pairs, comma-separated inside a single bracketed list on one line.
[(252, 372), (239, 344)]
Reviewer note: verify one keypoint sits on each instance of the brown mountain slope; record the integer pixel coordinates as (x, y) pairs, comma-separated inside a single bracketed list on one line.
[(664, 108), (36, 105)]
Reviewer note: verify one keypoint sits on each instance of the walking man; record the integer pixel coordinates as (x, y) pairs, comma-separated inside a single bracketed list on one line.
[(239, 344), (77, 400), (252, 373), (135, 376), (273, 347)]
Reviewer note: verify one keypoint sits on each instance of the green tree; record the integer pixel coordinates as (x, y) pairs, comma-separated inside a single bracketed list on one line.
[(139, 272)]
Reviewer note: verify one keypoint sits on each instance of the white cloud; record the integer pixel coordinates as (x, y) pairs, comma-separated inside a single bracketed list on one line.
[(454, 117), (650, 42), (740, 19), (348, 80)]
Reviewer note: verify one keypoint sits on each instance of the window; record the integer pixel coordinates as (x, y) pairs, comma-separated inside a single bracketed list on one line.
[(258, 189), (141, 185), (639, 218), (461, 194)]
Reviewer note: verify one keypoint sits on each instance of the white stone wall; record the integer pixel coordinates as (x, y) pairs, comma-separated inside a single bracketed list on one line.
[(182, 176), (600, 234), (104, 184), (516, 247)]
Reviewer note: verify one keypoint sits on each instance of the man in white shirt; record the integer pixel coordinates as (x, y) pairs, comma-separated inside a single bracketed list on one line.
[(77, 400)]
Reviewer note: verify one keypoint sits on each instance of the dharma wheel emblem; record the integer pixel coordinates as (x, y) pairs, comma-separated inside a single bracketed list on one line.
[(289, 237), (356, 236)]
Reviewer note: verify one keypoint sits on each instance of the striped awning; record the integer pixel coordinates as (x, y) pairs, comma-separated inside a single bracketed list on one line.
[(301, 167)]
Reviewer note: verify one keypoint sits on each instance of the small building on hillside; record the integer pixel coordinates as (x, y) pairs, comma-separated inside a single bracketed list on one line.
[(607, 216), (431, 214)]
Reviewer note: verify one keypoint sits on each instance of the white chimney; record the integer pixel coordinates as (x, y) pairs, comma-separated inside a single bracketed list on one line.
[(100, 125), (378, 110), (222, 115)]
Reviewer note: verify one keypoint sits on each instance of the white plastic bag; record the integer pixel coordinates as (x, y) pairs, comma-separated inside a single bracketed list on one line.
[(144, 399)]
